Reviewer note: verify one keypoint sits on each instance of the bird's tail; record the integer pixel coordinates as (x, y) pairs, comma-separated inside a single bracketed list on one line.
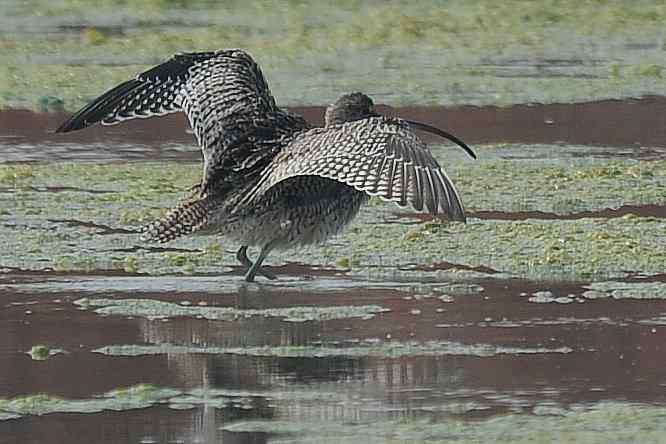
[(187, 217)]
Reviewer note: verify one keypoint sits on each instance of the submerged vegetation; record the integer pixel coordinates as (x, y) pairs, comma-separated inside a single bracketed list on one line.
[(43, 352), (135, 397), (152, 309), (595, 424), (598, 422)]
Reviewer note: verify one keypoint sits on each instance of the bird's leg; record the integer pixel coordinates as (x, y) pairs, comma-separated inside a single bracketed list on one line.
[(241, 255), (256, 267)]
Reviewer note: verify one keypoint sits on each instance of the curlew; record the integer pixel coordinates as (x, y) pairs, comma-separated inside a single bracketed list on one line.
[(269, 178)]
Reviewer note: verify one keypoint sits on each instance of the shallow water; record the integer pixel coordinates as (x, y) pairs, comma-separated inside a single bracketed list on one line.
[(542, 319), (630, 129), (475, 352)]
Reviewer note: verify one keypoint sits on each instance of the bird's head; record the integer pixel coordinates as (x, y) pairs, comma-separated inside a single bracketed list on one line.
[(357, 106), (350, 107)]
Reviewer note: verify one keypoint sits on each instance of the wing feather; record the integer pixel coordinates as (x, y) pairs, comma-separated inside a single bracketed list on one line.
[(373, 185), (380, 156), (454, 204), (432, 201), (404, 196), (390, 174), (223, 94), (154, 92), (418, 188)]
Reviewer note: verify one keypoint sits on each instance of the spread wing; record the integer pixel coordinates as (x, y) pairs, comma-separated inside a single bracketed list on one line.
[(378, 155), (155, 92), (202, 84), (223, 93)]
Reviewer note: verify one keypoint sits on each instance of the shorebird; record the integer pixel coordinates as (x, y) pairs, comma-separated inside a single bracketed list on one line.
[(269, 178)]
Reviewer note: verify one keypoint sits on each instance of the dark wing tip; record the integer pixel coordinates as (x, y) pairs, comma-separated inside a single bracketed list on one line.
[(457, 209), (459, 217), (99, 108), (71, 124)]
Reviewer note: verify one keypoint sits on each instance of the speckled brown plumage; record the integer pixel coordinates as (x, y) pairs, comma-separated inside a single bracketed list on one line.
[(269, 179)]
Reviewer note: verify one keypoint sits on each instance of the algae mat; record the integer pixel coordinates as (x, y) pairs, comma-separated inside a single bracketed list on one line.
[(598, 423), (85, 217), (59, 55)]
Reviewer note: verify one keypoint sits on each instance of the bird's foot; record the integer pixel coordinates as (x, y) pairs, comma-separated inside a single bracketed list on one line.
[(249, 276)]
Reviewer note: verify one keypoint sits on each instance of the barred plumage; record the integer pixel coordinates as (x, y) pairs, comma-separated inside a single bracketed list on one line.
[(269, 179), (185, 218), (223, 94), (377, 155), (152, 93)]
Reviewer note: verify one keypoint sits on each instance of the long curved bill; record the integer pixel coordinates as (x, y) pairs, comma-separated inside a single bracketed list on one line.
[(434, 130)]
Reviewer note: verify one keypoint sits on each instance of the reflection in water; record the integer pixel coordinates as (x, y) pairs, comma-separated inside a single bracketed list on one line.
[(376, 387), (616, 355), (154, 425)]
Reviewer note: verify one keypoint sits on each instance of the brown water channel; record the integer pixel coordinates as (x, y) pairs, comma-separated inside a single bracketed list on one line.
[(447, 351), (621, 124)]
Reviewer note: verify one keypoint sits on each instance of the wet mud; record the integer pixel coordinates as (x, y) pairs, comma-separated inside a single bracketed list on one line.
[(658, 211)]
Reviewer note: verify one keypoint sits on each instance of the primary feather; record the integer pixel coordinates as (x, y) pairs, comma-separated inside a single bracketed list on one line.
[(378, 155), (223, 94)]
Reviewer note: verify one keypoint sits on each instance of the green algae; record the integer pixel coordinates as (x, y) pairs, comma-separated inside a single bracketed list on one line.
[(555, 185), (16, 175), (4, 416), (222, 398), (535, 248), (74, 263), (388, 350), (625, 290), (559, 185), (546, 297), (153, 309), (297, 393), (577, 248), (96, 285), (131, 264), (43, 352), (146, 395), (347, 262), (600, 423), (586, 248), (141, 392), (123, 399), (490, 54), (459, 289), (39, 352), (135, 397)]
